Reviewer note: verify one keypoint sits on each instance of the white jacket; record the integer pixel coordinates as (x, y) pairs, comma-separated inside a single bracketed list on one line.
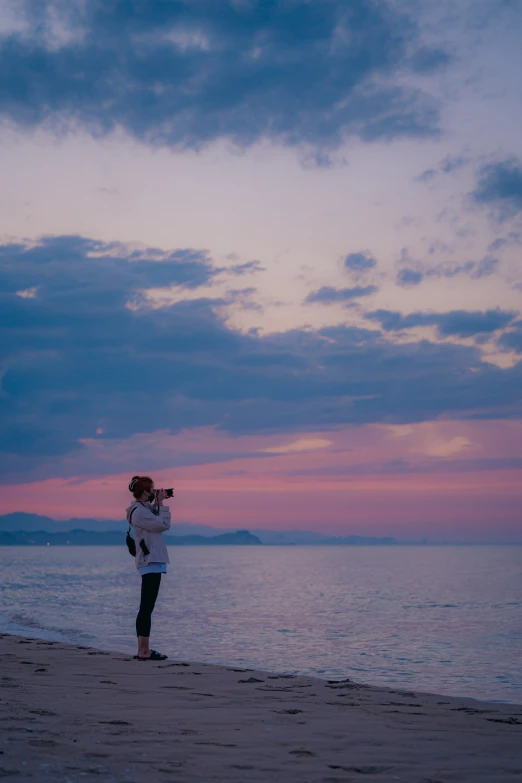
[(149, 528)]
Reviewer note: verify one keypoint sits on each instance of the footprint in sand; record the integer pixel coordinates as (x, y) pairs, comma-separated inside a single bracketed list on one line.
[(42, 743), (361, 770)]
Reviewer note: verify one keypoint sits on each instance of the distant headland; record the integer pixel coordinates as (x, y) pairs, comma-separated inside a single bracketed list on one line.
[(79, 537), (22, 529)]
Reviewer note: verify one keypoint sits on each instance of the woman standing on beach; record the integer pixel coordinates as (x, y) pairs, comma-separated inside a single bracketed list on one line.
[(150, 519)]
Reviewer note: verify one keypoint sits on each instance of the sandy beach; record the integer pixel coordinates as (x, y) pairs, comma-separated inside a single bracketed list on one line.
[(71, 712)]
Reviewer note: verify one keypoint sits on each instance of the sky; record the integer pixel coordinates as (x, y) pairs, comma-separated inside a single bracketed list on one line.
[(269, 253)]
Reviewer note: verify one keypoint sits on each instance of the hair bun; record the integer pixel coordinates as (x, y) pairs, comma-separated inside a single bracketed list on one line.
[(133, 483)]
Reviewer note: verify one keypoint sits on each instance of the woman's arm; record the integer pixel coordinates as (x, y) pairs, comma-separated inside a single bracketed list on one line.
[(143, 517)]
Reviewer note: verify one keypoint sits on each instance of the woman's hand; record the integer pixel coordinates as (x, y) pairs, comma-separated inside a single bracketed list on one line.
[(161, 496)]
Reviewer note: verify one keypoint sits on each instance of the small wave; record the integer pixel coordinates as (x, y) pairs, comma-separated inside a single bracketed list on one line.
[(22, 625)]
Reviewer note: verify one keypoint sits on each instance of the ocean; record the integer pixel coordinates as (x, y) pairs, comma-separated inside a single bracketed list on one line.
[(445, 619)]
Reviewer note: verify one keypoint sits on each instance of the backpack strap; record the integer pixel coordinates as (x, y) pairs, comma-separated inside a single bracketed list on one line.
[(130, 518)]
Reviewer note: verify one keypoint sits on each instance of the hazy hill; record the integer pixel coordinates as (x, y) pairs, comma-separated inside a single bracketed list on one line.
[(19, 521), (240, 537), (117, 538)]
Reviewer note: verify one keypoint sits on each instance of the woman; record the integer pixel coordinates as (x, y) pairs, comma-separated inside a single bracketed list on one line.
[(149, 522)]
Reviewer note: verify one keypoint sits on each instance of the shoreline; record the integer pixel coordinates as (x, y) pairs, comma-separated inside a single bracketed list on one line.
[(22, 633), (70, 711), (28, 634)]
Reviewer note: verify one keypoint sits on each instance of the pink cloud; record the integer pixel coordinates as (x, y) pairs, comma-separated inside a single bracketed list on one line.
[(440, 480)]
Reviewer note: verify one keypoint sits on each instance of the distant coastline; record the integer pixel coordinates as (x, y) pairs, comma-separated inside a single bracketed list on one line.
[(80, 537), (22, 529)]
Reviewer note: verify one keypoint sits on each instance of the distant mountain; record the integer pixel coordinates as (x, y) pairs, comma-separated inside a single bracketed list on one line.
[(116, 538), (30, 523), (19, 520), (239, 538)]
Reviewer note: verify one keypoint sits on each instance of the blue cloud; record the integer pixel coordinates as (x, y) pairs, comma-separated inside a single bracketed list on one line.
[(473, 269), (452, 163), (457, 323), (512, 340), (76, 358), (483, 268), (406, 277), (403, 466), (427, 176), (184, 74), (512, 238), (447, 165), (246, 268), (329, 295), (122, 270), (359, 262), (499, 187)]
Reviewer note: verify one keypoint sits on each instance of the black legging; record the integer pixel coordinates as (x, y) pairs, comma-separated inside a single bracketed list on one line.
[(150, 584)]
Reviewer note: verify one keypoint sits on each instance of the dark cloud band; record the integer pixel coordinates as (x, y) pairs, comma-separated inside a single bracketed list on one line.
[(76, 358), (458, 323), (186, 73)]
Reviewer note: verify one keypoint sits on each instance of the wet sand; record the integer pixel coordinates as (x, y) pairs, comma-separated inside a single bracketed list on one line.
[(71, 713)]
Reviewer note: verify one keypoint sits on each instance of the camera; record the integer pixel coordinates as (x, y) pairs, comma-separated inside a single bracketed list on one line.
[(169, 493)]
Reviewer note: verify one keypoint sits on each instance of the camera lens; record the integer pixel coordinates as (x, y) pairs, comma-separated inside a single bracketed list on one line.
[(169, 493)]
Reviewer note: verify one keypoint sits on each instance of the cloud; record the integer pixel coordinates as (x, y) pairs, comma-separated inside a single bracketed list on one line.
[(499, 187), (243, 269), (443, 448), (512, 238), (458, 323), (76, 359), (185, 74), (447, 165), (403, 466), (452, 163), (329, 295), (35, 268), (241, 297), (303, 444), (399, 430), (483, 268), (427, 176), (29, 293), (512, 340), (473, 269), (359, 262), (406, 277)]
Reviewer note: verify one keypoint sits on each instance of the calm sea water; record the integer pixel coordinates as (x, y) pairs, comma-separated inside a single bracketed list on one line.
[(442, 619)]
